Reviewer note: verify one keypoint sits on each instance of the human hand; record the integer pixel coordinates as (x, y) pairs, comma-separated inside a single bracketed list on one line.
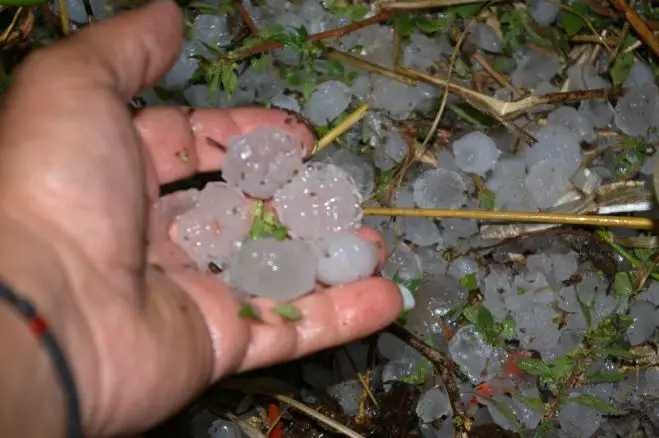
[(142, 330)]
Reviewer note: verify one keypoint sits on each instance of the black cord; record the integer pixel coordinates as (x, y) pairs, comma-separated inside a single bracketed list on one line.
[(40, 328)]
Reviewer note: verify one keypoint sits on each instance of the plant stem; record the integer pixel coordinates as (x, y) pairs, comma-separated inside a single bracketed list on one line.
[(340, 129), (334, 33), (446, 369), (637, 24), (240, 8), (424, 4), (640, 223)]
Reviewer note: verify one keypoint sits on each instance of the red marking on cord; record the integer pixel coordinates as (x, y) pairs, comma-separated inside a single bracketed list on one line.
[(38, 325), (274, 423)]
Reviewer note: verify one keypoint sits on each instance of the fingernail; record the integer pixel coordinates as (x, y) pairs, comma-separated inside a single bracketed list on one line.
[(408, 298)]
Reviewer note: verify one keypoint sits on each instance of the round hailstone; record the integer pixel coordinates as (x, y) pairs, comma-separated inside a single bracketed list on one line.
[(212, 29), (475, 153), (327, 102), (281, 270), (259, 163), (543, 12), (485, 38), (635, 111), (639, 74), (555, 142), (344, 258), (390, 151), (574, 121), (547, 181), (215, 227), (321, 198), (440, 188), (357, 167)]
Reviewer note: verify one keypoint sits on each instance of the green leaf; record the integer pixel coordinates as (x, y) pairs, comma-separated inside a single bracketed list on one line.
[(288, 311), (471, 314), (486, 199), (535, 367), (507, 412), (229, 80), (261, 63), (280, 232), (413, 284), (621, 67), (418, 377), (404, 25), (597, 404), (571, 22), (532, 402), (509, 329), (586, 312), (484, 320), (428, 25), (621, 353), (469, 281), (544, 428), (622, 285), (643, 254), (335, 68), (467, 11), (561, 367), (248, 311), (607, 376)]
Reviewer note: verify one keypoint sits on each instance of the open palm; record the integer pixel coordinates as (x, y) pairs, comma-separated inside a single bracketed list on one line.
[(143, 329)]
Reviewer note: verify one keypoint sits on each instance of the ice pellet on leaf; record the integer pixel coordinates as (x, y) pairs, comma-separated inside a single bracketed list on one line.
[(213, 229), (475, 153), (321, 198), (440, 188), (327, 102), (282, 270), (344, 258), (260, 162)]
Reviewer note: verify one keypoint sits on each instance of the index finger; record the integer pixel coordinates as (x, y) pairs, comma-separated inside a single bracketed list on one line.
[(184, 141)]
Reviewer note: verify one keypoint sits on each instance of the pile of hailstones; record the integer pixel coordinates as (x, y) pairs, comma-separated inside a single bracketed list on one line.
[(318, 204)]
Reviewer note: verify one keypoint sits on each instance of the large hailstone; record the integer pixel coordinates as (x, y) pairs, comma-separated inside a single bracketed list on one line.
[(475, 153), (344, 258), (327, 102), (281, 270), (321, 198), (440, 188), (260, 162), (216, 225)]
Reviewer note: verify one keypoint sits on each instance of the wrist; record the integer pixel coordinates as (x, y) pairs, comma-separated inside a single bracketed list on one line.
[(33, 270)]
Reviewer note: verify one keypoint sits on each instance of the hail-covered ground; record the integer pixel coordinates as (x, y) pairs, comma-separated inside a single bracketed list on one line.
[(551, 330)]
